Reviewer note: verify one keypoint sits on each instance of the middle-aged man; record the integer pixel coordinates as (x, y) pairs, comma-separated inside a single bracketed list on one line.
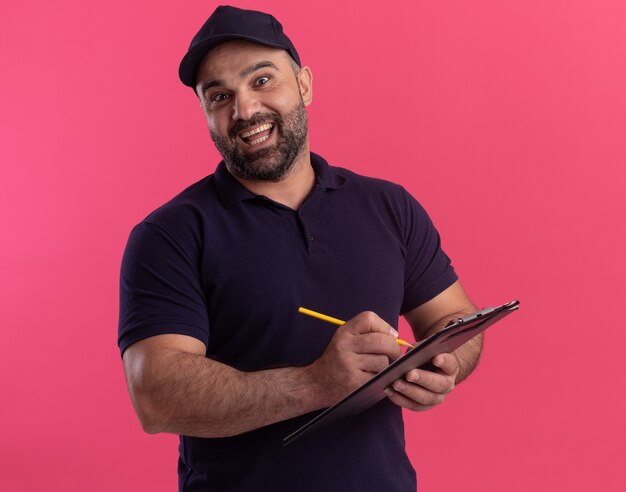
[(213, 346)]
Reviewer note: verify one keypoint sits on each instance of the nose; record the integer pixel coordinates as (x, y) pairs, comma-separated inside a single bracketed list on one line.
[(246, 104)]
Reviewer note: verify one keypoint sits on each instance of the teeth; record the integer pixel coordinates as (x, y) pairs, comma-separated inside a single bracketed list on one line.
[(260, 129), (259, 140)]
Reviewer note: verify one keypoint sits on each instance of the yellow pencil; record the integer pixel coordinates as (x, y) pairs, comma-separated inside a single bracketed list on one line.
[(338, 322)]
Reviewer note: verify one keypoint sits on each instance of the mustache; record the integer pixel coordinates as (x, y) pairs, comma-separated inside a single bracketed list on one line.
[(256, 119)]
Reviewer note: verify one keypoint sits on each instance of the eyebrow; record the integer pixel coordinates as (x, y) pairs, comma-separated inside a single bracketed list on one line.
[(245, 72), (254, 68)]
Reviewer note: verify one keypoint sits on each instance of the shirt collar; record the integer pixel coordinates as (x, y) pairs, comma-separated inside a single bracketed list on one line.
[(231, 191), (326, 176)]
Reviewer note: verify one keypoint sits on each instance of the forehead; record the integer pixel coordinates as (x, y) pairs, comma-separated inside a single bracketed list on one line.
[(229, 58)]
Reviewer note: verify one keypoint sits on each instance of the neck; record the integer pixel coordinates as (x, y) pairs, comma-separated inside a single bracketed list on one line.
[(290, 190)]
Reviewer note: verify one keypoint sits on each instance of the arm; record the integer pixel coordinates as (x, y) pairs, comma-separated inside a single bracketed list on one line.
[(175, 388), (422, 389), (435, 314)]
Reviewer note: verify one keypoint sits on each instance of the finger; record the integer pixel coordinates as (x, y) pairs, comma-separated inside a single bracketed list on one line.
[(370, 322), (376, 343), (372, 363), (446, 363), (403, 401), (417, 393), (431, 381)]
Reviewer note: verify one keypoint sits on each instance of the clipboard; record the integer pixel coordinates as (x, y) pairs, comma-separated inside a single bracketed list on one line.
[(455, 334)]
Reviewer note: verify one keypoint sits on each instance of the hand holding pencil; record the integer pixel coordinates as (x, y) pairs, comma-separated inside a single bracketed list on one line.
[(338, 322), (360, 348)]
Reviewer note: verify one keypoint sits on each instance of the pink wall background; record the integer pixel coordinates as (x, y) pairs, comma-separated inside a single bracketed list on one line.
[(506, 119)]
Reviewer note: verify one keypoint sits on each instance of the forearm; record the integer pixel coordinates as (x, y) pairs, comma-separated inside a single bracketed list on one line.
[(467, 354), (192, 395), (175, 388)]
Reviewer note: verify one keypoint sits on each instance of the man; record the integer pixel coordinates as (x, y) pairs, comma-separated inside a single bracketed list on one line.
[(213, 346)]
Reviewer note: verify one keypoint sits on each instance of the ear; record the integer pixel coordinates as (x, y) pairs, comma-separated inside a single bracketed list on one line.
[(305, 83)]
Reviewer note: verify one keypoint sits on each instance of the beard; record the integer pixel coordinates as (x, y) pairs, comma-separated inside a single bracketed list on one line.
[(270, 163)]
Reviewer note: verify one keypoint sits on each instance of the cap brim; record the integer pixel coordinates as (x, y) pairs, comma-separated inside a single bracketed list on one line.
[(192, 60)]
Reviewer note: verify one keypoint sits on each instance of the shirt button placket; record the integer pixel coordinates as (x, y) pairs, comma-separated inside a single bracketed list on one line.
[(309, 237)]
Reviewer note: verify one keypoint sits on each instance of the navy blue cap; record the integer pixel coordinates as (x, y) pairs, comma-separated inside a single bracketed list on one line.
[(228, 23)]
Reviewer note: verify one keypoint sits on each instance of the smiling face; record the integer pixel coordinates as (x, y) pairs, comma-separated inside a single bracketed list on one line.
[(254, 99)]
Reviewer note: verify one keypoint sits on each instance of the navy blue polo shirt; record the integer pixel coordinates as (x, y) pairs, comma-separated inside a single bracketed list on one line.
[(231, 268)]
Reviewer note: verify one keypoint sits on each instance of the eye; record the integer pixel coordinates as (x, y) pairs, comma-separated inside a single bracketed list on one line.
[(262, 80), (218, 97)]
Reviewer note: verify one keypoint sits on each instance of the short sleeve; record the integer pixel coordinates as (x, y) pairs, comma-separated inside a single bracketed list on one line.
[(160, 289), (428, 270)]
